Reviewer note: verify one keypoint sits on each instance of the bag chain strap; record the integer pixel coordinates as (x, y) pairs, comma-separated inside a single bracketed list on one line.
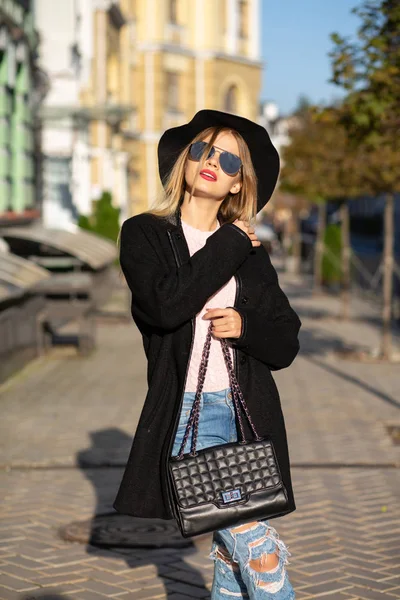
[(237, 397)]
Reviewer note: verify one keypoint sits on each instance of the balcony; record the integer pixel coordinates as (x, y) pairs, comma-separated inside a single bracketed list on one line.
[(175, 34), (173, 118)]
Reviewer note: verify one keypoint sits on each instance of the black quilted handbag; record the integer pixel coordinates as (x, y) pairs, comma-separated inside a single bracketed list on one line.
[(226, 485)]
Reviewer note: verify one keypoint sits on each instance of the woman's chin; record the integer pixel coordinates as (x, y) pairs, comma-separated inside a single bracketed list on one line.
[(205, 191)]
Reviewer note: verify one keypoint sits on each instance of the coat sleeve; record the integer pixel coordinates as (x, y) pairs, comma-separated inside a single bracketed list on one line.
[(166, 298), (270, 330)]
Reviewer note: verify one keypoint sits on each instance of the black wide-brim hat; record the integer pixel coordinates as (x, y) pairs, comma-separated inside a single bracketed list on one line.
[(263, 153)]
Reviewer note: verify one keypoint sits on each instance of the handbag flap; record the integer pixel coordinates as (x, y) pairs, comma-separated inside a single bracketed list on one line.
[(224, 474)]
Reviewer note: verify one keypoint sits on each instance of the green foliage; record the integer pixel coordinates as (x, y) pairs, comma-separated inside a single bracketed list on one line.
[(104, 220), (368, 68), (84, 223), (319, 162), (331, 269)]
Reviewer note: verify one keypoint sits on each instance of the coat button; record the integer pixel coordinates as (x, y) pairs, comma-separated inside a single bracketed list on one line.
[(243, 360), (178, 236), (245, 300)]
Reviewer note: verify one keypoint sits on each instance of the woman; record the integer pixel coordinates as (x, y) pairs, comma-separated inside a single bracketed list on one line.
[(192, 260)]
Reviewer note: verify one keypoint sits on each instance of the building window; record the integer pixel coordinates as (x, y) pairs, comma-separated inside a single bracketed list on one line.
[(230, 100), (243, 19), (172, 11), (172, 91)]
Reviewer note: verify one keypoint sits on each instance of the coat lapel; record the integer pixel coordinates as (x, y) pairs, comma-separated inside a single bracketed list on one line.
[(177, 237)]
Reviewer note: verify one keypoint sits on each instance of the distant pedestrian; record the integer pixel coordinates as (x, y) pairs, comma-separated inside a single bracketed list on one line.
[(192, 259)]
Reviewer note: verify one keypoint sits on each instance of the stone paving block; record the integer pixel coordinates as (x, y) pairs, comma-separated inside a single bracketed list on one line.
[(177, 597), (389, 570), (183, 588), (15, 583), (34, 548), (156, 593), (16, 571), (53, 580), (194, 578), (101, 587), (116, 566), (322, 576), (327, 588), (107, 577), (367, 594), (26, 563), (145, 572), (184, 566), (12, 539), (369, 582), (320, 558), (394, 590), (69, 570), (7, 594), (392, 580), (90, 595)]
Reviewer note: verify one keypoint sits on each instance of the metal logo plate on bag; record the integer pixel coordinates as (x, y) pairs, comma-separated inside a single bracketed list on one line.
[(231, 496)]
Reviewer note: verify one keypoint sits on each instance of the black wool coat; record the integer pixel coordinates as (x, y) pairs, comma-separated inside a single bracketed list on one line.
[(168, 289)]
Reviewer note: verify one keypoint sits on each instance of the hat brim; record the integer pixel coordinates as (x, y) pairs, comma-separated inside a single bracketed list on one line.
[(264, 155)]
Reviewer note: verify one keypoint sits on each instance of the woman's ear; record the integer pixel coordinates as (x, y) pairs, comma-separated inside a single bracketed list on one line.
[(236, 188)]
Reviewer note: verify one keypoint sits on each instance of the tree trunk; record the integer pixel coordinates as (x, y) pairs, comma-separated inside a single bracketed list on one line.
[(295, 258), (346, 254), (286, 241), (319, 247), (388, 260)]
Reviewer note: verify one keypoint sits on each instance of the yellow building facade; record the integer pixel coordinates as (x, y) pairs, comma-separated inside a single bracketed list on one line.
[(155, 64)]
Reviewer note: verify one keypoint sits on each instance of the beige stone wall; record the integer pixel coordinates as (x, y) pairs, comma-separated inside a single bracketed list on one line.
[(138, 59), (245, 78)]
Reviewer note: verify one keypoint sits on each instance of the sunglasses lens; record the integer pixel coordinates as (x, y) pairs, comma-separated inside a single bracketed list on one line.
[(197, 149), (230, 163)]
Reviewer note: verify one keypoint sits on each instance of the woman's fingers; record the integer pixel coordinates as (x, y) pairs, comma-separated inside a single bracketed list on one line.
[(254, 240), (226, 322), (247, 228)]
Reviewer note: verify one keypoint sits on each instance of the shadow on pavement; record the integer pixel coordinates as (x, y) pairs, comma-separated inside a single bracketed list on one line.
[(351, 379), (111, 447), (315, 341)]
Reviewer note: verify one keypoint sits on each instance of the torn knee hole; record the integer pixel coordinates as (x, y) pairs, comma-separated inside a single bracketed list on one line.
[(226, 558), (266, 562), (273, 586)]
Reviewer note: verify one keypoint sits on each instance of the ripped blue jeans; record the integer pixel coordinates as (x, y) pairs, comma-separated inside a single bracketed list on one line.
[(242, 568)]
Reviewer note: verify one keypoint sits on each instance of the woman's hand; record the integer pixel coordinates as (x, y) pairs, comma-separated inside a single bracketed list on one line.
[(227, 322), (247, 228)]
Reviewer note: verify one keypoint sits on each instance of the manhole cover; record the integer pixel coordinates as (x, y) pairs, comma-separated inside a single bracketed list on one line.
[(121, 531), (394, 432)]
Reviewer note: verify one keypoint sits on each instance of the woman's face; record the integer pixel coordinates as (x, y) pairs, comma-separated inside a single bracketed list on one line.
[(212, 181)]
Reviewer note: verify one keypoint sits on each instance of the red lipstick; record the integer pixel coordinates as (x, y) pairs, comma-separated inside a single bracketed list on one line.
[(209, 175)]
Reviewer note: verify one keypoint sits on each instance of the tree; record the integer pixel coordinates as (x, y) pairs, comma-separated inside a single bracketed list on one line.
[(368, 68), (104, 220), (320, 164)]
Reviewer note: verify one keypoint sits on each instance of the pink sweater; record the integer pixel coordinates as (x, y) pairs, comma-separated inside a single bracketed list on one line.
[(217, 375)]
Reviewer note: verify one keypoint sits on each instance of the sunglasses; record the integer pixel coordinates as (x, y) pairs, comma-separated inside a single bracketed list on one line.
[(230, 163)]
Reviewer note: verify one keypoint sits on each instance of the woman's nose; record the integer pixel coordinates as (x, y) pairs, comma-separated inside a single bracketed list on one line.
[(213, 160)]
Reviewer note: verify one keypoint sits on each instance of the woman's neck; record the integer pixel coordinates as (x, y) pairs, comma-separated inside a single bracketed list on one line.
[(201, 215)]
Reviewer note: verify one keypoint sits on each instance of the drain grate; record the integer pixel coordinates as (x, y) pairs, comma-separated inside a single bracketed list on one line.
[(113, 530)]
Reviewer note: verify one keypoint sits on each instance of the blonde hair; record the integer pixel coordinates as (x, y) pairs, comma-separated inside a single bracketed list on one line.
[(242, 205)]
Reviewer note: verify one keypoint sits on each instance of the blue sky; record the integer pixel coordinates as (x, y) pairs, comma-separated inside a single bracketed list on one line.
[(295, 44)]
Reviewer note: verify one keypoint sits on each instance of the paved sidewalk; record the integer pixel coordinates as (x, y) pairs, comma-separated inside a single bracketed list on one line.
[(67, 424)]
